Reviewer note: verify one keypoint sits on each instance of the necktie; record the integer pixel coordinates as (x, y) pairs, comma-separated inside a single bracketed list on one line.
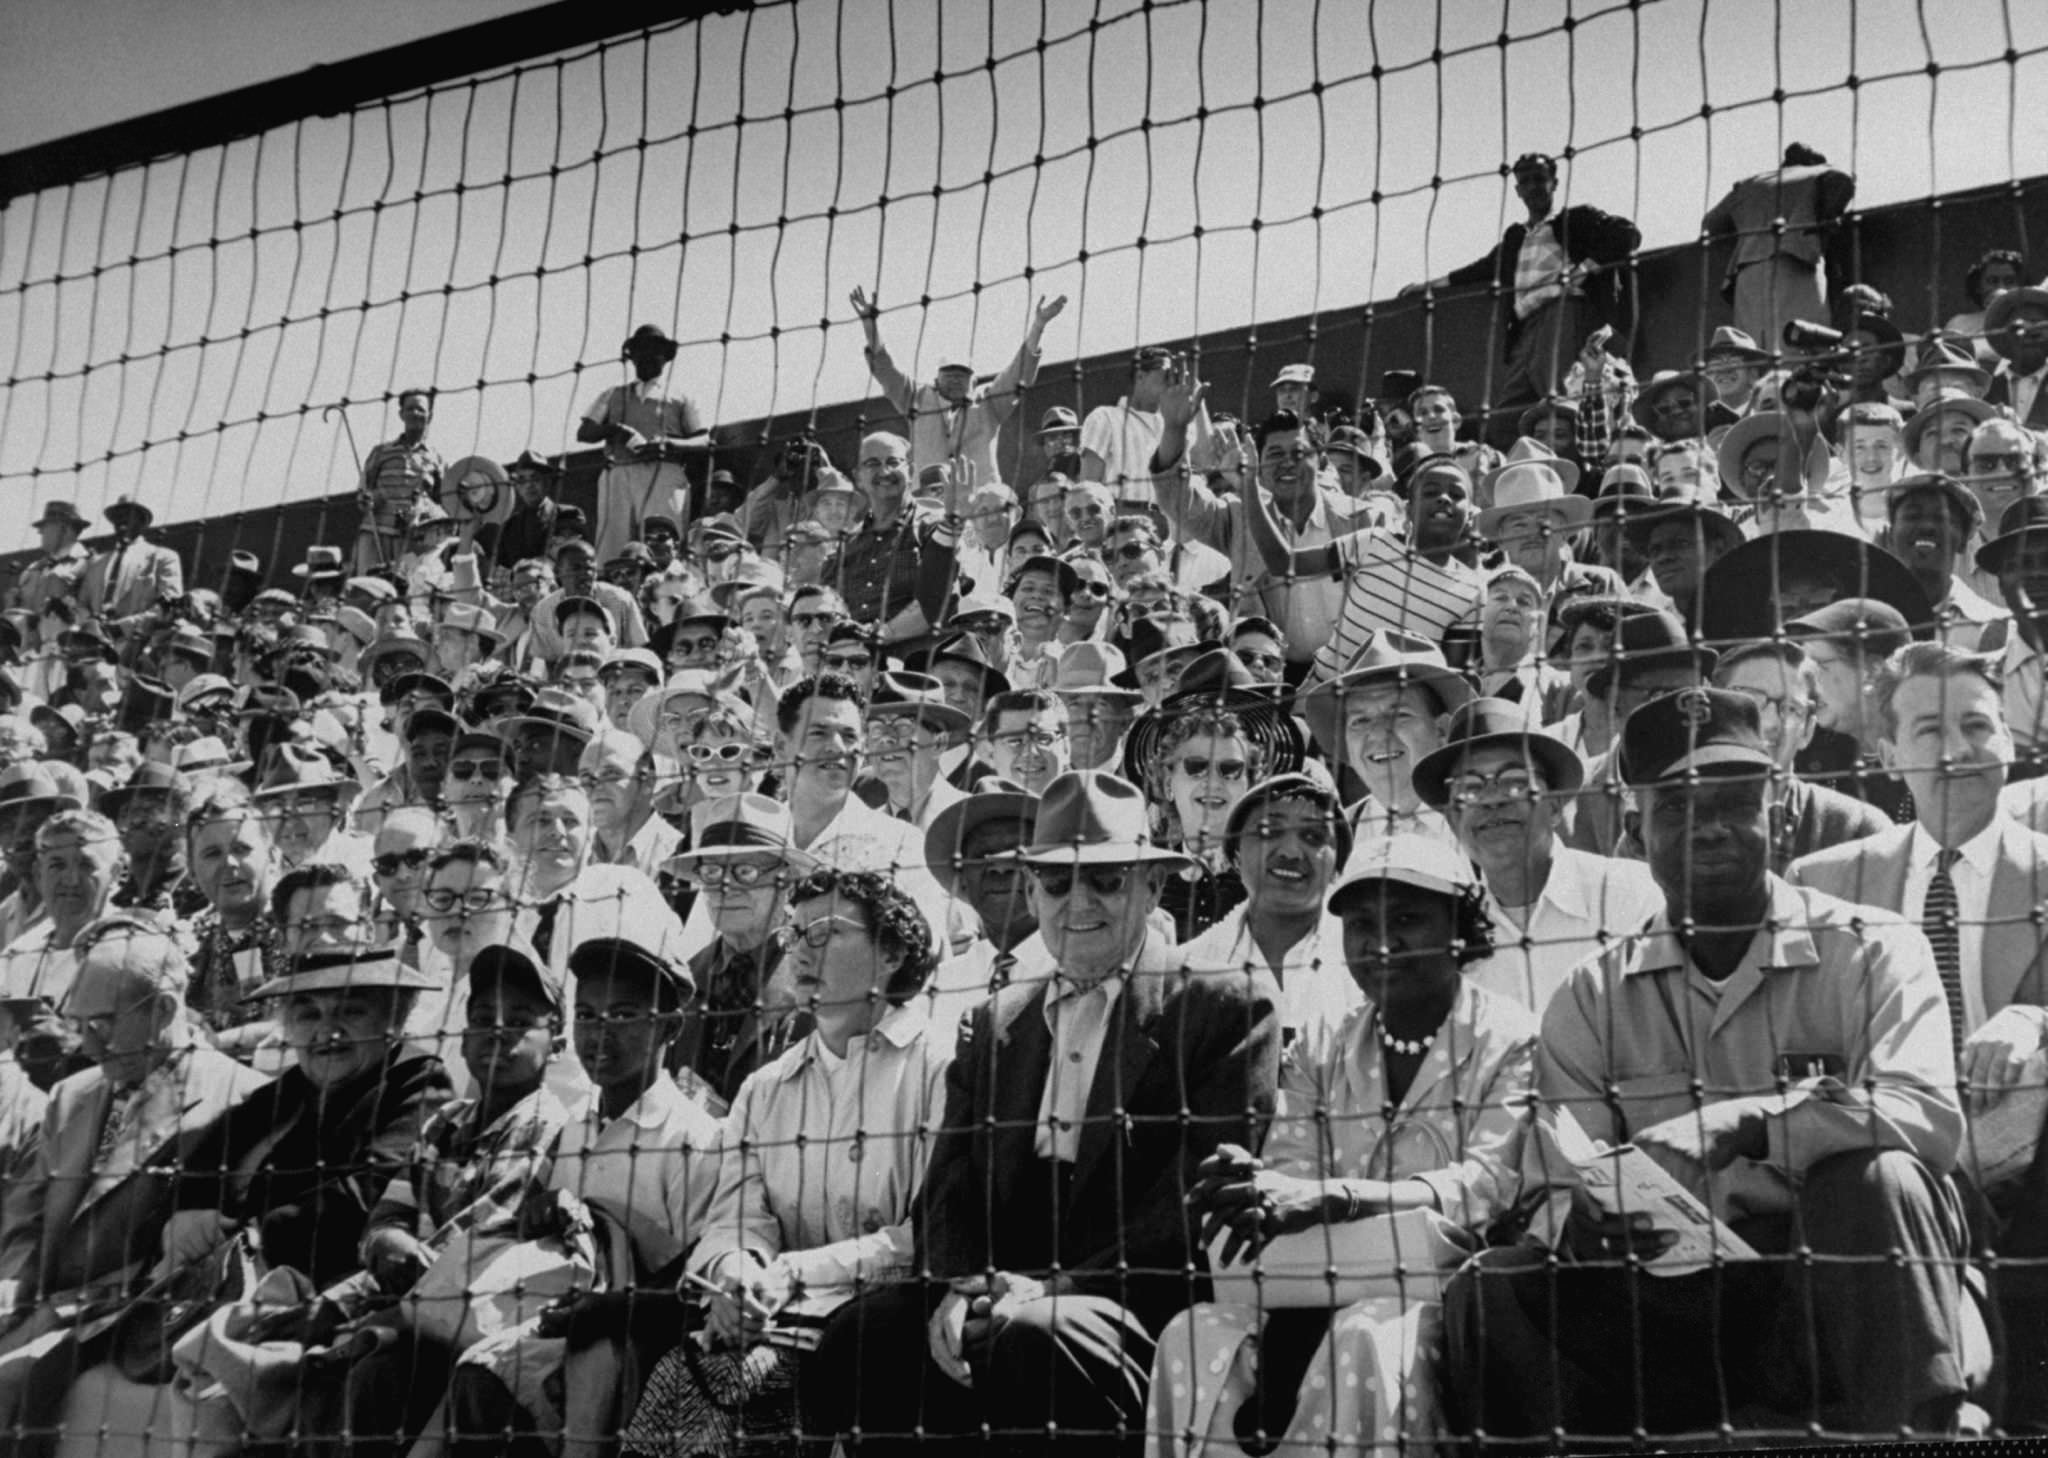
[(1000, 970), (544, 926), (1940, 917)]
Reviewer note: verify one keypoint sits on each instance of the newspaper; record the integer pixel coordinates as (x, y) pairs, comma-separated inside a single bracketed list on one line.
[(1624, 1180)]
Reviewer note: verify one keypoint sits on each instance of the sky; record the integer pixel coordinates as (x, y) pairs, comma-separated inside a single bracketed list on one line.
[(1170, 169)]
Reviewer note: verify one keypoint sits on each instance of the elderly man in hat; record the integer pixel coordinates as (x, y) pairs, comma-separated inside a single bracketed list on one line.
[(1304, 514), (910, 726), (1557, 275), (397, 474), (1503, 785), (1078, 1110), (1781, 222), (975, 849), (1780, 679), (1806, 996), (130, 579), (952, 417), (1089, 679), (645, 432), (1732, 364), (60, 568), (81, 1219)]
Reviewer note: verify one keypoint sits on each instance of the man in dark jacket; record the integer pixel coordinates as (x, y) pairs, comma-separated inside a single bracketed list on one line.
[(1555, 277)]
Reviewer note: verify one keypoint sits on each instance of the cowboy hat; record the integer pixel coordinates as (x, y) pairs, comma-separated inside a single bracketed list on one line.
[(1491, 724), (904, 694), (1094, 818), (1386, 658), (1739, 594)]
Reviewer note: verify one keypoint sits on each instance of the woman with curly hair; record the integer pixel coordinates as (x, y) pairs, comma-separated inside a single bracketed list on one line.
[(1204, 763), (1997, 271), (826, 1150), (1410, 1110)]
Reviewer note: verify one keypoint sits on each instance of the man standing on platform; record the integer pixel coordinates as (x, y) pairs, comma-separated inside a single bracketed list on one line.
[(395, 475), (1780, 222), (645, 431), (57, 572)]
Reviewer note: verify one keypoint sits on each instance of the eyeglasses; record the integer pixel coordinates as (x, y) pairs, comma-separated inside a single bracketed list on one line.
[(476, 899), (101, 1025), (816, 935), (894, 748), (847, 660), (1252, 658), (1227, 770), (464, 770), (1133, 551), (613, 776), (2001, 464), (1784, 706), (1089, 587), (1516, 784), (392, 862), (1088, 512), (692, 647), (1017, 740), (816, 620), (718, 873), (710, 754), (1102, 880)]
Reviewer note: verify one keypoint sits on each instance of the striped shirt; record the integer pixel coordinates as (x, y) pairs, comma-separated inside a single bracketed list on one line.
[(1390, 589)]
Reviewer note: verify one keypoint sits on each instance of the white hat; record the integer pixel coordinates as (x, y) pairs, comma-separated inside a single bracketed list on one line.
[(1421, 861), (1294, 374)]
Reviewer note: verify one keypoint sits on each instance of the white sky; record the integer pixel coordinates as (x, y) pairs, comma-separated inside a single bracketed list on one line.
[(179, 317)]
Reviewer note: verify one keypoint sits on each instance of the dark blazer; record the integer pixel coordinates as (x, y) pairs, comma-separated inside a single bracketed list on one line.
[(1189, 1061), (1588, 236), (2001, 394)]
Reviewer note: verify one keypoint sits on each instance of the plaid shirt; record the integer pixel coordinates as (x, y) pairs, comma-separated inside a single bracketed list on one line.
[(463, 1178)]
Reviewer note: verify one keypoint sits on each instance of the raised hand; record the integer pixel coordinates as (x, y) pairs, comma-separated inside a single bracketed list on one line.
[(1182, 399), (865, 309), (1048, 310)]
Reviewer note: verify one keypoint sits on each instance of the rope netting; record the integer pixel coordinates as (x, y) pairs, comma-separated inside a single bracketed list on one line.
[(1542, 1148)]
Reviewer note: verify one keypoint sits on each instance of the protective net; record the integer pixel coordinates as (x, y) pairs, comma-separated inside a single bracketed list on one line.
[(1169, 726)]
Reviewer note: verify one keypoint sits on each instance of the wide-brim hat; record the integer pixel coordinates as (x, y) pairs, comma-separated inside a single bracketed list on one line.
[(206, 755), (1386, 658), (1092, 818), (2026, 519), (1728, 342), (1998, 313), (528, 460), (129, 507), (473, 471), (1661, 384), (1495, 724), (322, 564), (963, 648), (293, 771), (144, 702), (418, 681), (60, 724), (486, 704), (753, 572), (1739, 594), (346, 969), (86, 639), (1746, 432), (204, 687), (994, 801), (644, 721), (557, 711), (389, 643), (741, 825), (649, 336), (1719, 530), (1091, 667), (462, 617), (1216, 681), (1947, 354), (30, 783), (151, 777), (1535, 482), (61, 513), (907, 695), (1952, 402)]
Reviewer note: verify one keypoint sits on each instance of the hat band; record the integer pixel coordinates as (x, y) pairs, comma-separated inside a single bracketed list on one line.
[(734, 834)]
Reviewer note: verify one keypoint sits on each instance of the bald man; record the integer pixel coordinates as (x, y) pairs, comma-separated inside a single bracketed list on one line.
[(82, 1215)]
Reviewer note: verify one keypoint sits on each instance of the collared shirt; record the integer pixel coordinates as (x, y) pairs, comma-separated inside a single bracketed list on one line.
[(824, 1154), (966, 981), (647, 407), (1077, 1015), (1315, 980), (49, 578), (941, 429), (465, 1177), (1964, 615), (138, 1115), (31, 967), (1586, 902), (1372, 821), (1975, 867), (1126, 438), (877, 569), (394, 474), (653, 1168), (1833, 1026), (1389, 588), (1541, 269), (2024, 390), (646, 851)]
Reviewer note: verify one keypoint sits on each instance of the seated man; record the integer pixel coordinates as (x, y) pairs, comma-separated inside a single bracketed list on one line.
[(1077, 1111), (1787, 1059), (83, 1213)]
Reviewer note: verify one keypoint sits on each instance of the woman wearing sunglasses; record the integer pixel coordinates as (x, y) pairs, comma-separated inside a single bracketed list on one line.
[(475, 786)]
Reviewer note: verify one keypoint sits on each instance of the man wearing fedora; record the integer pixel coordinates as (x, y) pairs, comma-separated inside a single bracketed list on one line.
[(58, 571), (1376, 721), (1733, 363), (1503, 786), (82, 1218), (910, 726), (1781, 222), (645, 432), (529, 529), (2016, 326), (1535, 514), (1052, 1223), (131, 578), (952, 416), (1091, 680), (396, 474), (975, 850)]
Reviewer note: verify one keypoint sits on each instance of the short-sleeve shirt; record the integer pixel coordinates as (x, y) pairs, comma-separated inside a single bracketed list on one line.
[(1126, 438), (645, 407)]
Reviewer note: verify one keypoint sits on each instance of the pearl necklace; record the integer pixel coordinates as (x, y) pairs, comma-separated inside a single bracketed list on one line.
[(1412, 1047)]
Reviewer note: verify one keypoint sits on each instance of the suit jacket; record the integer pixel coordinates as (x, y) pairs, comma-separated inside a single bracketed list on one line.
[(2001, 394), (1872, 872), (56, 1233), (145, 576), (1807, 198), (1190, 1060), (1588, 236), (1813, 817)]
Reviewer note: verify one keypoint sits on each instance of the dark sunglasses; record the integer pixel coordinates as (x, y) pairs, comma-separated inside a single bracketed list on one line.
[(1102, 880), (392, 862), (847, 660), (1093, 588), (482, 769), (1132, 551)]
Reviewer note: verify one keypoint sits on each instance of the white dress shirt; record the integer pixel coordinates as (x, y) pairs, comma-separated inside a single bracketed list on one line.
[(1587, 901), (1972, 874), (1077, 1014), (1315, 980)]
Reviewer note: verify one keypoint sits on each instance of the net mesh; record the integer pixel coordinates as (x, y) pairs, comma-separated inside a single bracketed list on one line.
[(1251, 185)]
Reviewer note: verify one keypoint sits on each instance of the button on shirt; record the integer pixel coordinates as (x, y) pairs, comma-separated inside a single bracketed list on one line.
[(1586, 902), (653, 1169), (1078, 1016), (1976, 862), (1316, 988)]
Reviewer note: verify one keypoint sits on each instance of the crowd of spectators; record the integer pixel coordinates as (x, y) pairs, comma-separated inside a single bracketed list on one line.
[(1360, 929)]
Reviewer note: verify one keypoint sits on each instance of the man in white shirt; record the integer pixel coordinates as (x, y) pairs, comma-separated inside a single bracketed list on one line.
[(623, 776), (1118, 441), (1380, 719), (1501, 783), (645, 432)]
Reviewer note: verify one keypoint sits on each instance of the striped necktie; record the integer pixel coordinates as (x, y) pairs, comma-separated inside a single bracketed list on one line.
[(1941, 918)]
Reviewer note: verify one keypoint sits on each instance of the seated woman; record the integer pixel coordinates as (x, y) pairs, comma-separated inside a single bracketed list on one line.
[(792, 1210), (1412, 1103), (296, 1169)]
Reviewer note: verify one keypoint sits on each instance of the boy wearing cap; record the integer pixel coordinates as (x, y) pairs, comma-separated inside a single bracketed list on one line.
[(952, 417), (1796, 998), (1931, 522)]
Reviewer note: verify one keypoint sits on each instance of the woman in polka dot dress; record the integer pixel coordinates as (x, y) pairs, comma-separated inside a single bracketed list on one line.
[(1412, 1107)]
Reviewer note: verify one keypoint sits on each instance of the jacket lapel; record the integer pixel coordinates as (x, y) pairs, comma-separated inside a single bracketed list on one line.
[(1128, 1047), (2013, 944), (71, 1163), (1020, 1067)]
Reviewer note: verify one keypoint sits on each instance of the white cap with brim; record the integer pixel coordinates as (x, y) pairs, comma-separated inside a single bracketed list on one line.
[(1420, 861)]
